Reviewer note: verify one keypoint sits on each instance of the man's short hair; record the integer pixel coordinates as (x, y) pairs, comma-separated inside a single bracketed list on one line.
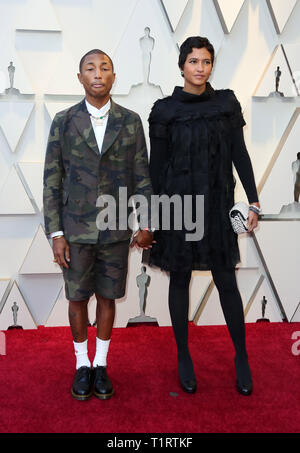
[(93, 52), (298, 155)]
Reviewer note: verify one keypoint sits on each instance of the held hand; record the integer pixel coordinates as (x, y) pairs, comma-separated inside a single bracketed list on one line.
[(143, 239), (61, 252)]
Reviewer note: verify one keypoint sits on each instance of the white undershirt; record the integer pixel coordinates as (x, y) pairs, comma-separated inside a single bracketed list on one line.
[(99, 131)]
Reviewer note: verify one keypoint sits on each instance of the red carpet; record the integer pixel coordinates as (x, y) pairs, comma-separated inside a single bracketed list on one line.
[(37, 372)]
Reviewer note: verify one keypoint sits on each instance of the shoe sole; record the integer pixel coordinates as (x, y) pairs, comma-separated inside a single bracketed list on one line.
[(104, 396), (247, 393), (81, 397), (189, 391)]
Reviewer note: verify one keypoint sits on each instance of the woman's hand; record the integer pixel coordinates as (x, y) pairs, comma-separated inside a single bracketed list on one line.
[(61, 252), (253, 219)]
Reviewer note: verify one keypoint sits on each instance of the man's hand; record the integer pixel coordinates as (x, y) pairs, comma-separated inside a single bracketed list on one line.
[(61, 252), (143, 239)]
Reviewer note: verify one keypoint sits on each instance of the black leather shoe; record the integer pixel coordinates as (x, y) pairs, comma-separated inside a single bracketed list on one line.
[(188, 385), (82, 384), (103, 388)]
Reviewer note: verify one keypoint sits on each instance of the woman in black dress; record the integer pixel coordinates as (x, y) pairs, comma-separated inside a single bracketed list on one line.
[(196, 134)]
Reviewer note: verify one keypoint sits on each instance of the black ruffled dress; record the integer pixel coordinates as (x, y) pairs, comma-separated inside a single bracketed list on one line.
[(195, 139)]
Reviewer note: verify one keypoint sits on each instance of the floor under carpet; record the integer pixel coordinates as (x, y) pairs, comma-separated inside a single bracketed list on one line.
[(37, 372)]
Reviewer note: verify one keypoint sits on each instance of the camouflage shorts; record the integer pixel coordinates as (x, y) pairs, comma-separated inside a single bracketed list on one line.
[(96, 268)]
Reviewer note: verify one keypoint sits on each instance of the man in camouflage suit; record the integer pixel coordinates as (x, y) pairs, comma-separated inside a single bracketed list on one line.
[(94, 148)]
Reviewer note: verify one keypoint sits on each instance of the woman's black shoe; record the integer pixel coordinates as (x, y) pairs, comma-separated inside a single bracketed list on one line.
[(82, 384), (189, 385), (245, 390), (186, 373), (244, 381)]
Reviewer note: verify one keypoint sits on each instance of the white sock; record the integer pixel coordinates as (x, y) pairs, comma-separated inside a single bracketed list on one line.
[(81, 354), (101, 352)]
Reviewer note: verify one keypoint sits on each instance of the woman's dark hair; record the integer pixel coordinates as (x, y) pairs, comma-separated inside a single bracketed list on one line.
[(196, 42), (92, 52)]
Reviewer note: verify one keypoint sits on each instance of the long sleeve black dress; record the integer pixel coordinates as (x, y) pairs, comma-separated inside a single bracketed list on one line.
[(195, 139)]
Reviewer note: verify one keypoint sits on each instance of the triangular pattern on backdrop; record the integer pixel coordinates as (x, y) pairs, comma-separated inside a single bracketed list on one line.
[(281, 12), (56, 107), (247, 280), (228, 11), (21, 78), (67, 84), (292, 52), (128, 307), (200, 282), (279, 244), (37, 15), (248, 253), (39, 301), (16, 303), (58, 317), (33, 175), (3, 287), (210, 311), (278, 188), (296, 316), (174, 11), (267, 82), (254, 308), (13, 119), (39, 258), (13, 196), (164, 71)]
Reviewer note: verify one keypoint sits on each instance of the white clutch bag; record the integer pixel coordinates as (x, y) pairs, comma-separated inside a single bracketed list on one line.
[(238, 215)]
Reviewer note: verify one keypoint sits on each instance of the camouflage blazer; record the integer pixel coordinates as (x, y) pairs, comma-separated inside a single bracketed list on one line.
[(76, 173)]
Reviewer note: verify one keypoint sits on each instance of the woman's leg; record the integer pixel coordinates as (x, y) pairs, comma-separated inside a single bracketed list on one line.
[(179, 306), (232, 306)]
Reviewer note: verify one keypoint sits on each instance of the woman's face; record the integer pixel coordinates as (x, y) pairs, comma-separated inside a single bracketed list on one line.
[(197, 69)]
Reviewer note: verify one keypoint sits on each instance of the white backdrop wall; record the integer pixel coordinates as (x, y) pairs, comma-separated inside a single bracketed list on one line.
[(45, 39)]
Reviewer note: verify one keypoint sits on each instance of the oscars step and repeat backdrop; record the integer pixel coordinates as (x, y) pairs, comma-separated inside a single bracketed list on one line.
[(258, 56)]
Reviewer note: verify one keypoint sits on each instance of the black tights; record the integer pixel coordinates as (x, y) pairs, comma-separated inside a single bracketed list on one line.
[(232, 307)]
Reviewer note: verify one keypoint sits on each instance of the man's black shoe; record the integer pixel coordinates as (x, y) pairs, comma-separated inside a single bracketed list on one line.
[(103, 388), (82, 385)]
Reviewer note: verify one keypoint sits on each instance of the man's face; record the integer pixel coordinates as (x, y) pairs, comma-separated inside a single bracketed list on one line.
[(97, 75)]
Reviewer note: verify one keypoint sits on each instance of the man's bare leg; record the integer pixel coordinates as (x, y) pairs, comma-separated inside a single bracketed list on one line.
[(105, 316), (78, 317)]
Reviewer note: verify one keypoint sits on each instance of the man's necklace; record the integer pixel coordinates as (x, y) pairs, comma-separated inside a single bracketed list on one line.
[(99, 120)]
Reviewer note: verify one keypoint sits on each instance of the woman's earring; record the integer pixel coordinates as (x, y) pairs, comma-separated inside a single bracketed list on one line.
[(182, 74)]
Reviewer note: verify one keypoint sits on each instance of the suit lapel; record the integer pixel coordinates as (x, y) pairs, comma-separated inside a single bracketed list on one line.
[(114, 125), (84, 126)]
